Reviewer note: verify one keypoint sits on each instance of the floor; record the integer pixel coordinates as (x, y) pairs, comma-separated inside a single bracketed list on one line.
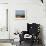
[(22, 44), (27, 44), (5, 44)]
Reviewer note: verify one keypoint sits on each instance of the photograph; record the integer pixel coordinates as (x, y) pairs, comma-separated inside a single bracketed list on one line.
[(20, 14)]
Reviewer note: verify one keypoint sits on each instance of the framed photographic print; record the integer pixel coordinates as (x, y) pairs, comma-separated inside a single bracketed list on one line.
[(20, 14)]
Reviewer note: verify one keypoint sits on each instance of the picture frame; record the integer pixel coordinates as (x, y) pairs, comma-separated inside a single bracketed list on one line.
[(20, 14)]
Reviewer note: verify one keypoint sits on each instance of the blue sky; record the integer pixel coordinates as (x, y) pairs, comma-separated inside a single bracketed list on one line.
[(20, 12)]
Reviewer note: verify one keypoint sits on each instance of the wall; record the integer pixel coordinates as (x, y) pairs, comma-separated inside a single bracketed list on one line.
[(3, 1), (35, 13)]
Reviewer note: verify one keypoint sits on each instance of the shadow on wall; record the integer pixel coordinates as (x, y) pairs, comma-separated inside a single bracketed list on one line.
[(41, 34)]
